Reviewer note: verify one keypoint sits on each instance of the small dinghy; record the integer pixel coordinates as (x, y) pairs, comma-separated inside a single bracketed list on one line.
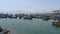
[(4, 31)]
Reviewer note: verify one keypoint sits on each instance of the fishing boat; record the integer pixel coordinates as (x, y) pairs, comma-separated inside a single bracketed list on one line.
[(56, 23), (4, 31), (57, 17), (12, 16), (46, 18), (27, 17)]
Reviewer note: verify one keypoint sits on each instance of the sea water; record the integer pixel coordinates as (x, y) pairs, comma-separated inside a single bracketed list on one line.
[(34, 26)]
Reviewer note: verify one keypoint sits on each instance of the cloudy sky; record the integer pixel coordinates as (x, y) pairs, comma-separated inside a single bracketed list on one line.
[(28, 6)]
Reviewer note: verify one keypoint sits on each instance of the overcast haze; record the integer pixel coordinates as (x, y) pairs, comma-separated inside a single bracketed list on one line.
[(28, 6)]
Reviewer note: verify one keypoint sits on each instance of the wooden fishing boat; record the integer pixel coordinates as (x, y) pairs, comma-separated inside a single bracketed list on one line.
[(4, 31), (56, 23)]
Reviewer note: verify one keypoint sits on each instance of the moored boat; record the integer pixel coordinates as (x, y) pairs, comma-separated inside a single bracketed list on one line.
[(57, 17), (56, 23), (4, 31), (27, 17)]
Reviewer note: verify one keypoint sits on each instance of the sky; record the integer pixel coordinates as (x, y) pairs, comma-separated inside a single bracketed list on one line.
[(29, 6)]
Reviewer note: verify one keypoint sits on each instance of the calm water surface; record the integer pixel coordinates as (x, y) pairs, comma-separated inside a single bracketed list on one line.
[(35, 26)]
